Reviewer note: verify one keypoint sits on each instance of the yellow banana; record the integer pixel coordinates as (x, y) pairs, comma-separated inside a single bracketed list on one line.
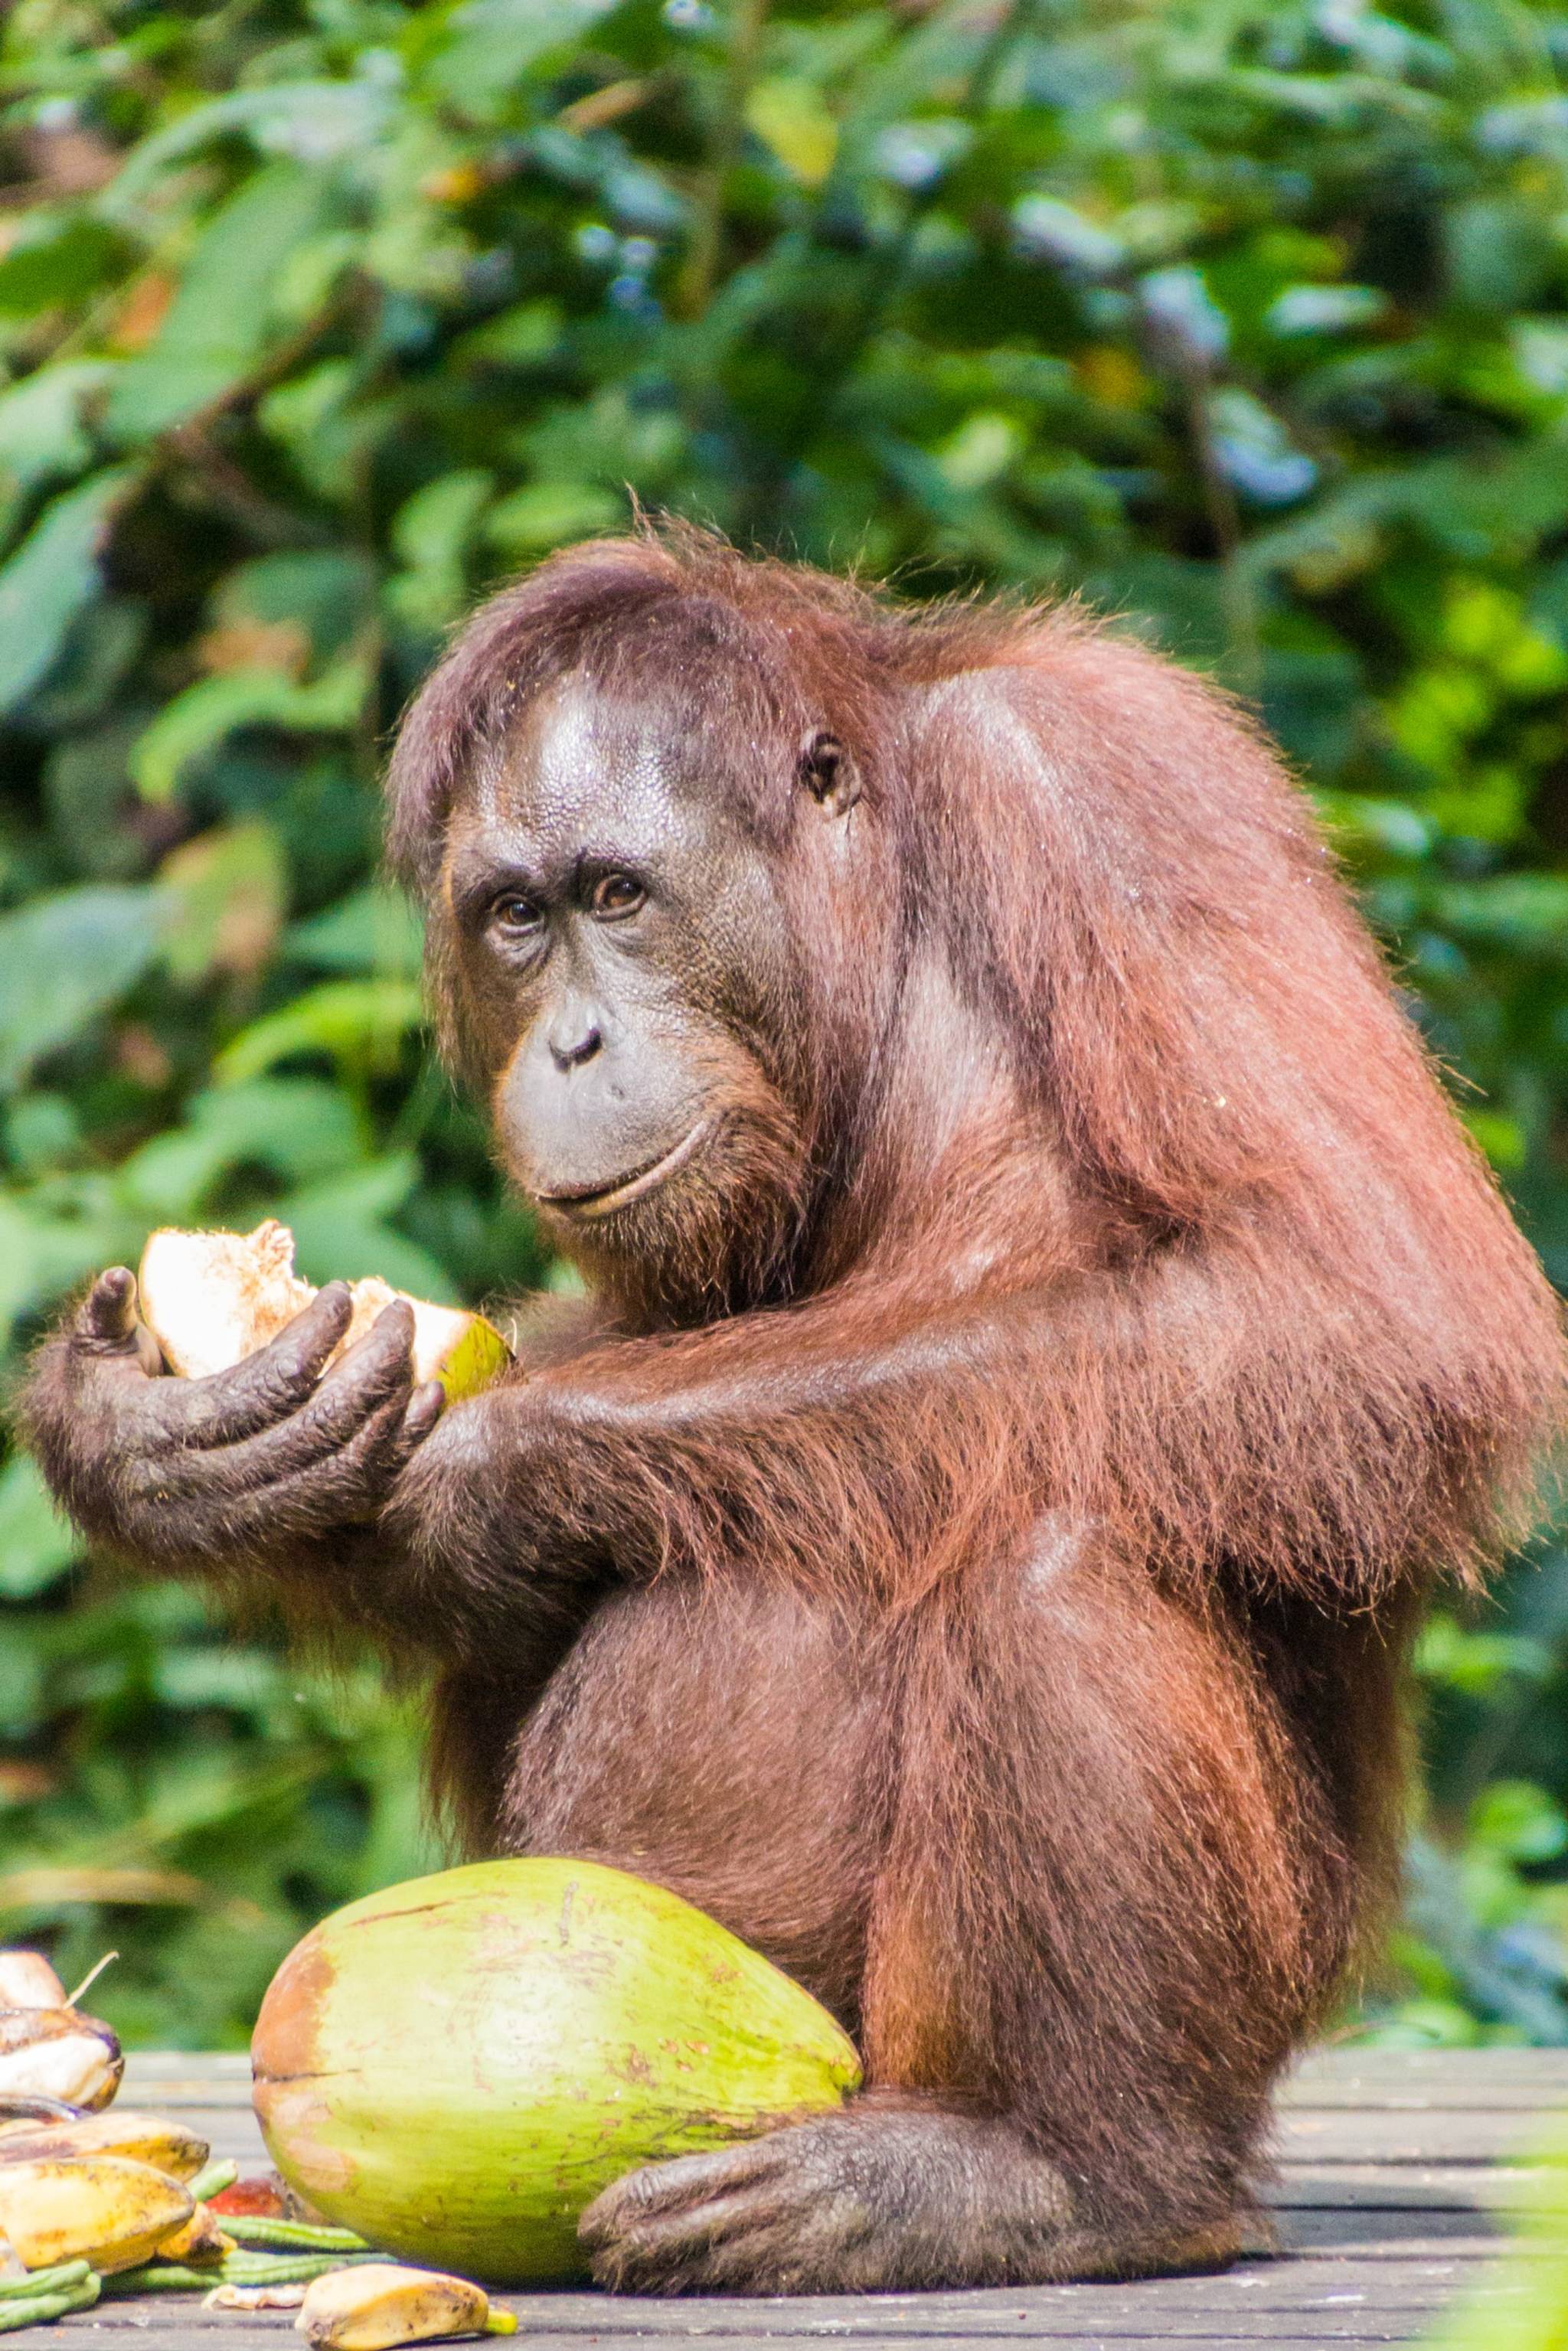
[(142, 2138), (380, 2304), (201, 2239), (101, 2208)]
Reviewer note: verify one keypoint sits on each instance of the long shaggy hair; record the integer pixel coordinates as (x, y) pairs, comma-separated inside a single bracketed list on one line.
[(1144, 1337), (1356, 1359)]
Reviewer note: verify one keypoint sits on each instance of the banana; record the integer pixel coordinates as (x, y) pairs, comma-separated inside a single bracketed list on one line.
[(201, 2239), (140, 2138), (380, 2304), (103, 2208)]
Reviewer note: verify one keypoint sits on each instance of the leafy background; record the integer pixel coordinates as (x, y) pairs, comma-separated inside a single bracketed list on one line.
[(1248, 321)]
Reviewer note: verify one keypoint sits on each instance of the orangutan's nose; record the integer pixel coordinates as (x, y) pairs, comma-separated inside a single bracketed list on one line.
[(574, 1036)]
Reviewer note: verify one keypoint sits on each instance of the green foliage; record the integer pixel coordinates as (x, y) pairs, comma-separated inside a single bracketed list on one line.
[(1520, 2303), (317, 317)]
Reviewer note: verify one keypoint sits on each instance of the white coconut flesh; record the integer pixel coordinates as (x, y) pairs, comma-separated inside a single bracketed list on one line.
[(211, 1298)]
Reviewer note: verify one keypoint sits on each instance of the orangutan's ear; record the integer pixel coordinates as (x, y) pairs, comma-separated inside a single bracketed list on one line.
[(828, 773)]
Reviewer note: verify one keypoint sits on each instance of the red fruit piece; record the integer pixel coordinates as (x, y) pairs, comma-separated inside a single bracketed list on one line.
[(262, 2195)]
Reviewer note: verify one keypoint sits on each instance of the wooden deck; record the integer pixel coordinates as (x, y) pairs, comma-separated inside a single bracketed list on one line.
[(1396, 2172)]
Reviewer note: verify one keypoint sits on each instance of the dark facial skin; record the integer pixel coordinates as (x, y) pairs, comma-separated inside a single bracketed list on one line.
[(624, 975), (604, 908)]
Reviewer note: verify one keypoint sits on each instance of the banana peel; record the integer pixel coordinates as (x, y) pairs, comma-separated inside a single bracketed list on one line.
[(153, 2139), (382, 2304), (58, 2053), (102, 2208), (254, 2297), (28, 1980), (202, 2238)]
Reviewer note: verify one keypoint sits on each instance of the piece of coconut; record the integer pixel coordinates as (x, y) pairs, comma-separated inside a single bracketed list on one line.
[(211, 1298), (460, 1350)]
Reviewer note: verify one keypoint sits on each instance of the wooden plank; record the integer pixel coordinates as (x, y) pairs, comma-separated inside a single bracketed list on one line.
[(1410, 2188), (1387, 2135), (213, 2094), (1394, 2183), (1537, 2078), (178, 2077), (1375, 2233), (1349, 2317), (1329, 2320), (1348, 2301), (1041, 2313), (1419, 2080), (202, 2331), (1225, 2309)]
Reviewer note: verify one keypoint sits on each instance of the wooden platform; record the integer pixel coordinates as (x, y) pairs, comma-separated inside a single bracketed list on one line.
[(1396, 2172)]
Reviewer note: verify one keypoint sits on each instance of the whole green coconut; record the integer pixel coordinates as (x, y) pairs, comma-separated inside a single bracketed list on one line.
[(456, 2066)]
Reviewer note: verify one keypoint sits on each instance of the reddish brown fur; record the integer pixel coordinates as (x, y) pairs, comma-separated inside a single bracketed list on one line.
[(1211, 1095), (969, 1545), (1190, 1266)]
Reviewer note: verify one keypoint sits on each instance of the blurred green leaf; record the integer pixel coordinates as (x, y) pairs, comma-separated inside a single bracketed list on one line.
[(218, 324), (351, 1021), (66, 958), (548, 514), (431, 533), (492, 43), (1250, 328), (200, 718), (294, 1128), (342, 1233), (226, 896), (43, 1251), (37, 1544), (53, 574), (328, 594), (375, 930), (1528, 910), (1518, 1820), (57, 256), (41, 428)]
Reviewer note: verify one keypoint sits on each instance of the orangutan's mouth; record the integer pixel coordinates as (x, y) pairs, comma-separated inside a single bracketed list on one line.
[(589, 1205)]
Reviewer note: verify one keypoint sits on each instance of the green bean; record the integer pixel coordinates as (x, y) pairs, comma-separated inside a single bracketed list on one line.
[(302, 2236), (182, 2277), (241, 2268), (49, 2281), (286, 2269), (211, 2180), (40, 2309), (159, 2277)]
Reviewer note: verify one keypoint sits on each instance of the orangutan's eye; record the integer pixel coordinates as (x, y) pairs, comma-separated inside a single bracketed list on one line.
[(515, 916), (614, 895)]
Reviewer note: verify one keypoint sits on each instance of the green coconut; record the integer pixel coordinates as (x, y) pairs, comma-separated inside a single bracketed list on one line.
[(456, 2066)]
